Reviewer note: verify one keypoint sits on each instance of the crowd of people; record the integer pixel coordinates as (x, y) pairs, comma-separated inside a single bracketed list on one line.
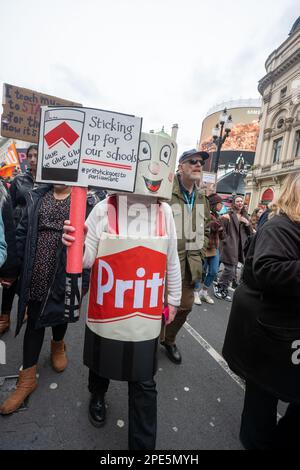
[(200, 263)]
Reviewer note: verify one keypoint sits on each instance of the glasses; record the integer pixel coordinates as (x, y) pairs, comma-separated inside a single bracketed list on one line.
[(194, 162)]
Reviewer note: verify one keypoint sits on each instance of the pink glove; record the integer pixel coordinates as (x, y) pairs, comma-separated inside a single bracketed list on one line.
[(166, 314)]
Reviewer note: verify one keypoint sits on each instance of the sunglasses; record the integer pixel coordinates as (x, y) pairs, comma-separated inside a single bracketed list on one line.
[(194, 162)]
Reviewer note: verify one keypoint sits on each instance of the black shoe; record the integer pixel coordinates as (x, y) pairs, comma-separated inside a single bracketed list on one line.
[(226, 296), (97, 410), (218, 291), (172, 352), (222, 293)]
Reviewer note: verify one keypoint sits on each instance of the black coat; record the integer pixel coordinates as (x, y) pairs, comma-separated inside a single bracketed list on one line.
[(19, 187), (53, 306), (11, 267), (264, 323)]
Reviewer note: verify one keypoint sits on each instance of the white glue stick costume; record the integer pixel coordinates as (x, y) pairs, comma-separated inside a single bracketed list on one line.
[(131, 246)]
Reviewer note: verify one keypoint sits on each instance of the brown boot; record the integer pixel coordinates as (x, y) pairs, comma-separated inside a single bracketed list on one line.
[(4, 323), (59, 359), (26, 384)]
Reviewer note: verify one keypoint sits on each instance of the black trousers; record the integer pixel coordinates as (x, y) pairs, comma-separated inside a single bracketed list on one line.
[(33, 339), (8, 295), (259, 427), (142, 410)]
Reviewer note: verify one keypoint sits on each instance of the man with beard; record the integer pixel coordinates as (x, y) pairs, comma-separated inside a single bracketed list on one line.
[(191, 214)]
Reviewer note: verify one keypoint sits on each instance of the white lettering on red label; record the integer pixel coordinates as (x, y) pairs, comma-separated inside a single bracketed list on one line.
[(126, 283)]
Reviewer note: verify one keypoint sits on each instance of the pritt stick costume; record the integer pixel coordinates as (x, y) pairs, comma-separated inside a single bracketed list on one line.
[(131, 245)]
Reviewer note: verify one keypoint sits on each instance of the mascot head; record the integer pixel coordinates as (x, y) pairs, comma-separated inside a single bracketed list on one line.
[(156, 165)]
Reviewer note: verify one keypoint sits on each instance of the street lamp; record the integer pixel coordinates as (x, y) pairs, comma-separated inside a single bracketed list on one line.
[(220, 134)]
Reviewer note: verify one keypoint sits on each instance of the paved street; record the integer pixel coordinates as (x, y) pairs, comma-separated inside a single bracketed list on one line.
[(199, 403)]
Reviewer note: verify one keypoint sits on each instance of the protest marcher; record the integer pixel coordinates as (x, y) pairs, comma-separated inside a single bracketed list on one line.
[(10, 269), (42, 284), (262, 343), (264, 216), (23, 183), (19, 187), (3, 245), (255, 216), (129, 252), (238, 229), (212, 259), (191, 214)]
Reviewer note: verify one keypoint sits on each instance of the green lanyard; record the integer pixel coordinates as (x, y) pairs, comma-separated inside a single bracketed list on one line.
[(190, 200)]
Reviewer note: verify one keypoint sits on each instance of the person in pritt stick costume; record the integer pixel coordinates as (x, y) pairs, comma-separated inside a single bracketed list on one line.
[(131, 245)]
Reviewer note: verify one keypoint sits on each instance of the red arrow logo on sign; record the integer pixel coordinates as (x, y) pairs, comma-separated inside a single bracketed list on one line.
[(62, 133)]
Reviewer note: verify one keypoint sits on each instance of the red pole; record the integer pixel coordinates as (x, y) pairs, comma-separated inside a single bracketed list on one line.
[(75, 253)]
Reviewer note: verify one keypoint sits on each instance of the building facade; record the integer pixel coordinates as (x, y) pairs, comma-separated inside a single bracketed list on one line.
[(278, 147)]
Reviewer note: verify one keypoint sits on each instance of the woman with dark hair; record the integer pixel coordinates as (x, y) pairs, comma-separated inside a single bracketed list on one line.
[(262, 343), (238, 229), (19, 187), (24, 183), (42, 284)]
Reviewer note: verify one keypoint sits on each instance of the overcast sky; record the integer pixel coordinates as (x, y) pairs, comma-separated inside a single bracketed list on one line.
[(167, 61)]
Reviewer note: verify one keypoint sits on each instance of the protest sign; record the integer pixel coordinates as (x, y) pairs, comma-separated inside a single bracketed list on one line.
[(22, 159), (9, 159), (21, 112), (88, 147), (208, 183)]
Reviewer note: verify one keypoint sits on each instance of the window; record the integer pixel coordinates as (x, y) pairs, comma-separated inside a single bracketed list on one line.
[(297, 144), (277, 150), (283, 92)]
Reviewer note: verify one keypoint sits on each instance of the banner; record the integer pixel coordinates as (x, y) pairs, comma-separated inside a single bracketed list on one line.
[(21, 112), (88, 147)]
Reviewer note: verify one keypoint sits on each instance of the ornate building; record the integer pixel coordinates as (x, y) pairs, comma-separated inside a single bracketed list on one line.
[(278, 148)]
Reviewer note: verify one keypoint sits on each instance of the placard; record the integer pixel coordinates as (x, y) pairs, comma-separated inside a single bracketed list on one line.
[(88, 147), (9, 155), (21, 112), (23, 159), (9, 159), (208, 183)]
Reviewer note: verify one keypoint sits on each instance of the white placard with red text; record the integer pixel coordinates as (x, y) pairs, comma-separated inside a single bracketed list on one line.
[(88, 147)]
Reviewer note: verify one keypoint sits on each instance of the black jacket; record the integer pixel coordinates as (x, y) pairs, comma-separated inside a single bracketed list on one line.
[(19, 187), (11, 267), (53, 306), (264, 323), (264, 218)]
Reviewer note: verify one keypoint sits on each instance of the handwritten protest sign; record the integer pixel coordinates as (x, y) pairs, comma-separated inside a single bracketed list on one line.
[(21, 112), (88, 147)]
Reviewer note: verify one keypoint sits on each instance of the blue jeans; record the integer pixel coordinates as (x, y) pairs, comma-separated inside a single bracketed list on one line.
[(211, 268)]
